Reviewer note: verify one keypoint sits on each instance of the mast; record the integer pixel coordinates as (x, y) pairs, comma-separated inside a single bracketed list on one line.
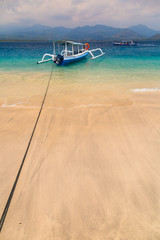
[(58, 49), (72, 49), (65, 48), (54, 53)]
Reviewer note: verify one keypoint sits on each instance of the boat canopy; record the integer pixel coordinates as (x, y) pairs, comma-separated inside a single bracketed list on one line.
[(61, 42)]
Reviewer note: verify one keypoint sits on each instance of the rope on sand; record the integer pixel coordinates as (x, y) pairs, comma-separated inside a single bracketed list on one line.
[(3, 217)]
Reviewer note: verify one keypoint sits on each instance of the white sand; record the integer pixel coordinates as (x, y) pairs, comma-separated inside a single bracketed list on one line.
[(92, 172)]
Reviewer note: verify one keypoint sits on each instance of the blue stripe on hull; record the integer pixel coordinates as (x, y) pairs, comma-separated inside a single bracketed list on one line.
[(71, 60)]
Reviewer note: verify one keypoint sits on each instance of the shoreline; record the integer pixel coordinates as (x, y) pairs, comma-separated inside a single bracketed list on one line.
[(92, 170)]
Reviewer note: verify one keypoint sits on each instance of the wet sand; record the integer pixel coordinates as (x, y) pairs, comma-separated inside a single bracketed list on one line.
[(92, 171)]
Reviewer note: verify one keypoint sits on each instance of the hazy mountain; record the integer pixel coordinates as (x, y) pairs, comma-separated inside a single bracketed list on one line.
[(97, 32), (127, 34), (92, 32), (101, 32), (156, 37), (35, 32), (144, 30)]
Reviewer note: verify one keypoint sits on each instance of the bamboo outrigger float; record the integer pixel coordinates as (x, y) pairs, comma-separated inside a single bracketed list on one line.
[(65, 52)]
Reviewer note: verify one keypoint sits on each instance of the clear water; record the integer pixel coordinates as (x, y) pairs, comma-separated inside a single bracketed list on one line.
[(24, 56), (120, 68)]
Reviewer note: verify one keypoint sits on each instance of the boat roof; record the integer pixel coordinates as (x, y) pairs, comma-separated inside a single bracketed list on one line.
[(68, 42)]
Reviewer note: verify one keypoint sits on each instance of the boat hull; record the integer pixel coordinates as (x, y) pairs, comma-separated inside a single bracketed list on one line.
[(73, 58)]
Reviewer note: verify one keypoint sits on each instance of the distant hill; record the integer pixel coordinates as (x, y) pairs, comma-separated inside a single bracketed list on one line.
[(92, 32), (156, 37), (97, 32), (127, 34), (144, 30), (101, 32), (35, 32)]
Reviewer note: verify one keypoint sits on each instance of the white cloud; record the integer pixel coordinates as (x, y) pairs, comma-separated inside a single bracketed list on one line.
[(72, 13)]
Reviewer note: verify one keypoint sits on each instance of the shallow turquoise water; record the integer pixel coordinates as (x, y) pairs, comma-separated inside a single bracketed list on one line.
[(23, 56), (129, 67), (122, 71)]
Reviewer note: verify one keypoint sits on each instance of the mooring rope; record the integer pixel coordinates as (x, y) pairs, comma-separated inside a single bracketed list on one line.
[(3, 217)]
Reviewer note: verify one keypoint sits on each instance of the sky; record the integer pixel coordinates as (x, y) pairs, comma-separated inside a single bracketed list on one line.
[(73, 13)]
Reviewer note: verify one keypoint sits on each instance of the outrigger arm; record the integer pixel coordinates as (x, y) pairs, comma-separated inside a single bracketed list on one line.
[(47, 60), (94, 50)]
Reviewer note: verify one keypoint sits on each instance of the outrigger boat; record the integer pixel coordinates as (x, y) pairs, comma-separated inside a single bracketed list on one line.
[(69, 51)]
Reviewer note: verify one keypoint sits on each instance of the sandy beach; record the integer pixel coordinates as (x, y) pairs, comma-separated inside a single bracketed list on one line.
[(92, 171)]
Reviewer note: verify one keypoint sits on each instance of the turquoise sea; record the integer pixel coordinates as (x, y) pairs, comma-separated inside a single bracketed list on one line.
[(131, 67), (24, 55)]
